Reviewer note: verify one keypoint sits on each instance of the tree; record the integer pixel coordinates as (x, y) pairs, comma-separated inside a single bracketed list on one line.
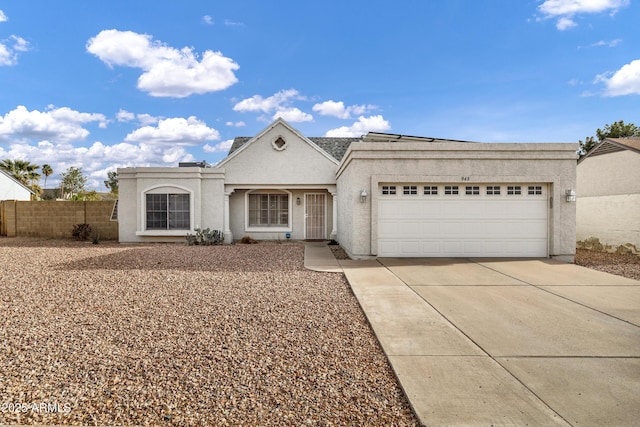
[(618, 129), (112, 182), (46, 171), (73, 182), (22, 170)]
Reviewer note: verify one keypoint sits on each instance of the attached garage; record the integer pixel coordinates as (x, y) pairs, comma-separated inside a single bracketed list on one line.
[(453, 220), (410, 196)]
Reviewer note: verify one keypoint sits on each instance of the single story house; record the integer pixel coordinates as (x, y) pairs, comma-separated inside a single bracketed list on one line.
[(382, 195), (608, 210), (12, 189)]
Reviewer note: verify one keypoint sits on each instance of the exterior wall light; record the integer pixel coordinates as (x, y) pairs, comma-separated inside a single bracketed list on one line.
[(363, 196), (298, 201), (570, 195)]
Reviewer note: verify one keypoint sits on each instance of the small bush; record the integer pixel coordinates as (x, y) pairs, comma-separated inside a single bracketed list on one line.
[(205, 237), (95, 238), (248, 240), (81, 232)]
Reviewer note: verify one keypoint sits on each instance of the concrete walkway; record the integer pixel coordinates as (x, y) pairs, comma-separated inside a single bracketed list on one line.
[(505, 342)]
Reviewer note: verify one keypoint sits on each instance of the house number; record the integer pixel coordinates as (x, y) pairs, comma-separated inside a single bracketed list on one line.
[(465, 178)]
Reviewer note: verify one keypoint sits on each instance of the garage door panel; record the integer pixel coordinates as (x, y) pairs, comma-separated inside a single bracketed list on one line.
[(464, 225)]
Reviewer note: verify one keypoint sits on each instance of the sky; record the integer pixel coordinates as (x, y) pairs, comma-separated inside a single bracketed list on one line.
[(111, 84)]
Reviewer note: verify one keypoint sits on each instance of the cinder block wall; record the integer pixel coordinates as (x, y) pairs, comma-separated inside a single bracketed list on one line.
[(55, 219)]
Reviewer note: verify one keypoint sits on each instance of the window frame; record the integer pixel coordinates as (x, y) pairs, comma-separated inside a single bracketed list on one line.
[(451, 190), (430, 190), (142, 229), (389, 190), (266, 227), (409, 190)]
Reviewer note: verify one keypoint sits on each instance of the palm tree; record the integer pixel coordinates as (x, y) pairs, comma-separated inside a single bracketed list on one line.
[(22, 170), (46, 171)]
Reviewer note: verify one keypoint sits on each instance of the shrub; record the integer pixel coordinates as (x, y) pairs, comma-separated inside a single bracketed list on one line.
[(247, 240), (81, 232), (205, 237)]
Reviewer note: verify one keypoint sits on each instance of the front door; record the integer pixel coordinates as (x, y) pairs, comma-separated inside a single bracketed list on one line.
[(315, 217)]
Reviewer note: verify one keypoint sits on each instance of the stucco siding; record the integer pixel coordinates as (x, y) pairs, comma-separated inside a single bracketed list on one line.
[(299, 163), (613, 220), (369, 164), (205, 187), (11, 190), (609, 174), (238, 215)]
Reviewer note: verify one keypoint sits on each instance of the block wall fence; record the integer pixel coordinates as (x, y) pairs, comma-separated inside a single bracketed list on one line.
[(55, 219)]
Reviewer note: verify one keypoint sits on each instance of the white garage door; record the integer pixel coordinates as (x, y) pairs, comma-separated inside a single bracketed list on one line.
[(437, 220)]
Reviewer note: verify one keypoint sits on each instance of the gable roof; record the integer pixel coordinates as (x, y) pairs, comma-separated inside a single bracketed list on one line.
[(612, 145), (332, 148), (8, 175)]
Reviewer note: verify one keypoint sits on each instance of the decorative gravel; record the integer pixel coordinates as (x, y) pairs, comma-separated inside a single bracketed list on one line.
[(623, 265), (185, 335)]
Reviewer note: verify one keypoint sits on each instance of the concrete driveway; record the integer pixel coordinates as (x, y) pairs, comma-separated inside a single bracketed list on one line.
[(506, 342)]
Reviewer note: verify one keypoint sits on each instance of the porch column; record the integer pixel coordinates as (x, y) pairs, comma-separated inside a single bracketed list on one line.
[(228, 236), (334, 222)]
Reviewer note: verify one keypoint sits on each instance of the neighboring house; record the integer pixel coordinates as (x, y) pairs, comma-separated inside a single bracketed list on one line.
[(608, 207), (12, 189), (378, 195)]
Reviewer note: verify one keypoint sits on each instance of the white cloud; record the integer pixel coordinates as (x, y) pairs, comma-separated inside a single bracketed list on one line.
[(221, 147), (143, 119), (565, 10), (270, 104), (230, 23), (337, 109), (175, 131), (625, 81), (236, 124), (3, 17), (9, 49), (565, 23), (279, 105), (362, 126), (168, 71), (58, 124), (207, 19), (293, 115)]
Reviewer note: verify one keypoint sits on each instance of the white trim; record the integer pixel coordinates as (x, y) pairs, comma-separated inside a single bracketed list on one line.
[(142, 229), (280, 229), (281, 122), (324, 207)]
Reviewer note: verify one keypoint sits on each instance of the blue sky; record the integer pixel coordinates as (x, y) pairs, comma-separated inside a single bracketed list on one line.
[(102, 85)]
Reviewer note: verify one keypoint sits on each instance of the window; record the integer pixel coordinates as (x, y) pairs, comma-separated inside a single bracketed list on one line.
[(534, 190), (268, 210), (410, 189), (450, 189), (514, 190), (493, 190), (388, 189), (472, 190), (429, 190), (168, 212)]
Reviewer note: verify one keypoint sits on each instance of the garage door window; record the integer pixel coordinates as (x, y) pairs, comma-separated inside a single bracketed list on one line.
[(388, 189), (430, 190), (450, 190), (411, 190), (534, 190), (472, 190), (493, 190), (514, 190)]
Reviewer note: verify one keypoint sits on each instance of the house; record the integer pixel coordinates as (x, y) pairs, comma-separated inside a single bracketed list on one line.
[(377, 195), (12, 189), (608, 209)]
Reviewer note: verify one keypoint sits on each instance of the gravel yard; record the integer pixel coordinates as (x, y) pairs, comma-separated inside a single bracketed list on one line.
[(622, 265), (185, 335)]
